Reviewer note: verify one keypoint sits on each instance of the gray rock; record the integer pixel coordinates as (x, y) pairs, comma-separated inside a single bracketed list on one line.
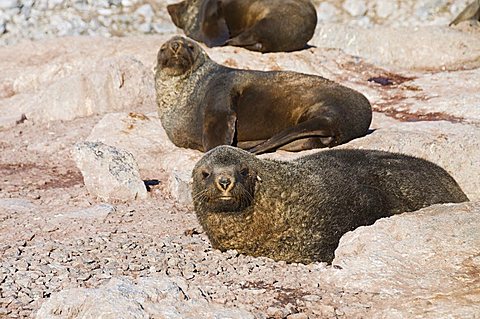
[(385, 8), (16, 204), (426, 259), (405, 48), (355, 7), (144, 298), (99, 212), (145, 11), (108, 172), (8, 4), (144, 136), (327, 12)]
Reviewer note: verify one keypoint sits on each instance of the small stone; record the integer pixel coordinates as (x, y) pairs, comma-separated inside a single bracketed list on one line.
[(146, 11), (327, 12), (108, 172), (276, 313), (355, 7), (8, 4)]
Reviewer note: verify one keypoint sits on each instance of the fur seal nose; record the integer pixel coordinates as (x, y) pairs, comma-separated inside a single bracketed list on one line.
[(224, 182), (175, 46)]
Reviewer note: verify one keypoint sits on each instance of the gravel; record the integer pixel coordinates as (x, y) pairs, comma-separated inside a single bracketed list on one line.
[(40, 19)]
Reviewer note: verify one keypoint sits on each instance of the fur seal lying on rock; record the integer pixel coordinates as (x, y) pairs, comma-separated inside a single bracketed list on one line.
[(259, 25), (297, 211), (202, 104)]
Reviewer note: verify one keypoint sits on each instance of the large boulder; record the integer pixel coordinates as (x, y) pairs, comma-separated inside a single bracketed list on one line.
[(425, 48), (423, 264)]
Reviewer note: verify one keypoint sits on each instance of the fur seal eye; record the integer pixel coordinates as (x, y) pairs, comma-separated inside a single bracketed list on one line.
[(205, 174), (244, 172)]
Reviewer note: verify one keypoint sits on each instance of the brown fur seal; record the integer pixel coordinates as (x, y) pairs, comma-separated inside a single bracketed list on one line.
[(471, 12), (297, 211), (203, 104), (259, 25)]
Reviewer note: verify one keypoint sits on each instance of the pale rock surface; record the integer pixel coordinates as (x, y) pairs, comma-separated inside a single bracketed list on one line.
[(355, 7), (405, 47), (109, 173), (426, 261), (16, 204), (168, 298), (157, 157)]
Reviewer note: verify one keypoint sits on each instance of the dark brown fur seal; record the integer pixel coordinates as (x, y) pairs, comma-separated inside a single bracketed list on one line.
[(297, 211), (203, 104), (471, 12), (259, 25)]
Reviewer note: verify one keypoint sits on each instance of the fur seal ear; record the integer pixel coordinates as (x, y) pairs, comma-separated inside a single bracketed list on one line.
[(177, 11), (213, 27)]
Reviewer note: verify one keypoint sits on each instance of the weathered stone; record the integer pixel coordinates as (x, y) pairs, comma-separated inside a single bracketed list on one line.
[(404, 48), (7, 4), (145, 298), (98, 212), (144, 136), (428, 259), (355, 7), (108, 172), (16, 204)]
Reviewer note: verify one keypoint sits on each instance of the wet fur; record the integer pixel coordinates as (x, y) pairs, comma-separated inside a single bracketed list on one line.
[(207, 104), (297, 211)]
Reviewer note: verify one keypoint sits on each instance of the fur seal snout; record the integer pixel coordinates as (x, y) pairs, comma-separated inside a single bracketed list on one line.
[(297, 211)]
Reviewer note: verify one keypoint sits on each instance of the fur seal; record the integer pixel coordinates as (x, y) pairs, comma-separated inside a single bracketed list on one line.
[(471, 12), (258, 25), (202, 104), (297, 211)]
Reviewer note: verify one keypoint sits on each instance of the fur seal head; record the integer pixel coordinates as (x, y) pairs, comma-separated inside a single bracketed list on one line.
[(224, 180), (179, 56)]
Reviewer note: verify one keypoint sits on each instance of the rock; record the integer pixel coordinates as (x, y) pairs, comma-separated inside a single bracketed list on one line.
[(97, 212), (144, 136), (108, 172), (144, 298), (428, 259), (405, 48), (17, 204), (326, 12), (385, 8), (8, 4), (355, 7), (77, 78)]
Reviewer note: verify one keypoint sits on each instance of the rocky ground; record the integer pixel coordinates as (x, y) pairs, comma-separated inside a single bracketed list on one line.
[(40, 19), (67, 253)]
